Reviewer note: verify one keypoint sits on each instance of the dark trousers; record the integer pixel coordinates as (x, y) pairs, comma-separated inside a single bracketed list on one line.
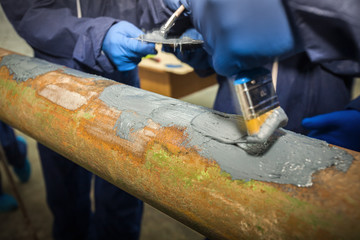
[(117, 214), (15, 151)]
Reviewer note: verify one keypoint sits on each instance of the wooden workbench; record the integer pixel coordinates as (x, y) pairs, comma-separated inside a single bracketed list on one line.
[(175, 82)]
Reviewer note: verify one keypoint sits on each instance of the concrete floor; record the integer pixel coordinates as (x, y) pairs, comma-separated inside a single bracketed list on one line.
[(155, 224)]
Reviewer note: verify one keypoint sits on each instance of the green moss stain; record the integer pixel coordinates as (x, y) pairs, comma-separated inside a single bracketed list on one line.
[(260, 228), (176, 172), (296, 203), (87, 115), (160, 159), (11, 88), (181, 172)]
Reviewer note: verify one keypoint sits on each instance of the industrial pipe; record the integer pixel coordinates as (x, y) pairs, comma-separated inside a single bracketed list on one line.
[(182, 158)]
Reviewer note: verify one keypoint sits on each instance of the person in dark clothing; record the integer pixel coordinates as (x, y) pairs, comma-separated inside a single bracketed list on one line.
[(98, 37), (15, 150), (318, 44)]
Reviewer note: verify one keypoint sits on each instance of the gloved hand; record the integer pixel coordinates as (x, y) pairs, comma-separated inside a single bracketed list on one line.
[(195, 55), (242, 34), (341, 128), (175, 4), (121, 47)]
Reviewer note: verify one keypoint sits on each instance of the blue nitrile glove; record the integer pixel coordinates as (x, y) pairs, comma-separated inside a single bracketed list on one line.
[(121, 47), (341, 128), (194, 55), (175, 4), (242, 34)]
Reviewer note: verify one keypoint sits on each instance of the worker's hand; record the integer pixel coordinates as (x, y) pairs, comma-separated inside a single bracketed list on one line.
[(241, 35), (121, 47), (341, 128), (195, 55), (175, 4)]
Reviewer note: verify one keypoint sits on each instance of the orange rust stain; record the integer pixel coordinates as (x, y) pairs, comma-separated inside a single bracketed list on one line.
[(295, 228), (88, 88), (128, 157), (101, 129), (322, 234), (169, 137), (173, 139), (338, 190)]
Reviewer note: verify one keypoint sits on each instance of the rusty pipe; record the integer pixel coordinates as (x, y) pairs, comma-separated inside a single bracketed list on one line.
[(154, 153)]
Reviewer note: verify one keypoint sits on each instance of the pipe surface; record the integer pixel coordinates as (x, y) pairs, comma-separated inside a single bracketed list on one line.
[(146, 145)]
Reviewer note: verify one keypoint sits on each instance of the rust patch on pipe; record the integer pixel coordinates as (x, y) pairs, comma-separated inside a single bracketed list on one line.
[(156, 167)]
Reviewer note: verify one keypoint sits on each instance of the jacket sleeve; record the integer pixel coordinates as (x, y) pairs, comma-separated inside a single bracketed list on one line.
[(51, 28), (329, 30)]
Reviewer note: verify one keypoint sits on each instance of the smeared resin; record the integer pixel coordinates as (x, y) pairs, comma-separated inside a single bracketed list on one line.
[(287, 157), (158, 37), (25, 68)]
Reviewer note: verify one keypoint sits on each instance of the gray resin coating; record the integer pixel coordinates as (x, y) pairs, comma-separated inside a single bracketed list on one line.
[(25, 68), (77, 73), (286, 158), (158, 37)]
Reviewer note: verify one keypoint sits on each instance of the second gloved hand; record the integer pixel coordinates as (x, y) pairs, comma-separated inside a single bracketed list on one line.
[(240, 35), (121, 47), (341, 128)]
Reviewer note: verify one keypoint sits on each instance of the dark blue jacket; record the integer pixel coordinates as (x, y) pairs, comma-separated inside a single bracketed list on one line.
[(53, 30), (56, 34), (330, 33), (329, 30)]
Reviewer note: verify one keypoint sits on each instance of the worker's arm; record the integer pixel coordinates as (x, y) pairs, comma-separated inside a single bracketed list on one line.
[(51, 28), (241, 35)]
